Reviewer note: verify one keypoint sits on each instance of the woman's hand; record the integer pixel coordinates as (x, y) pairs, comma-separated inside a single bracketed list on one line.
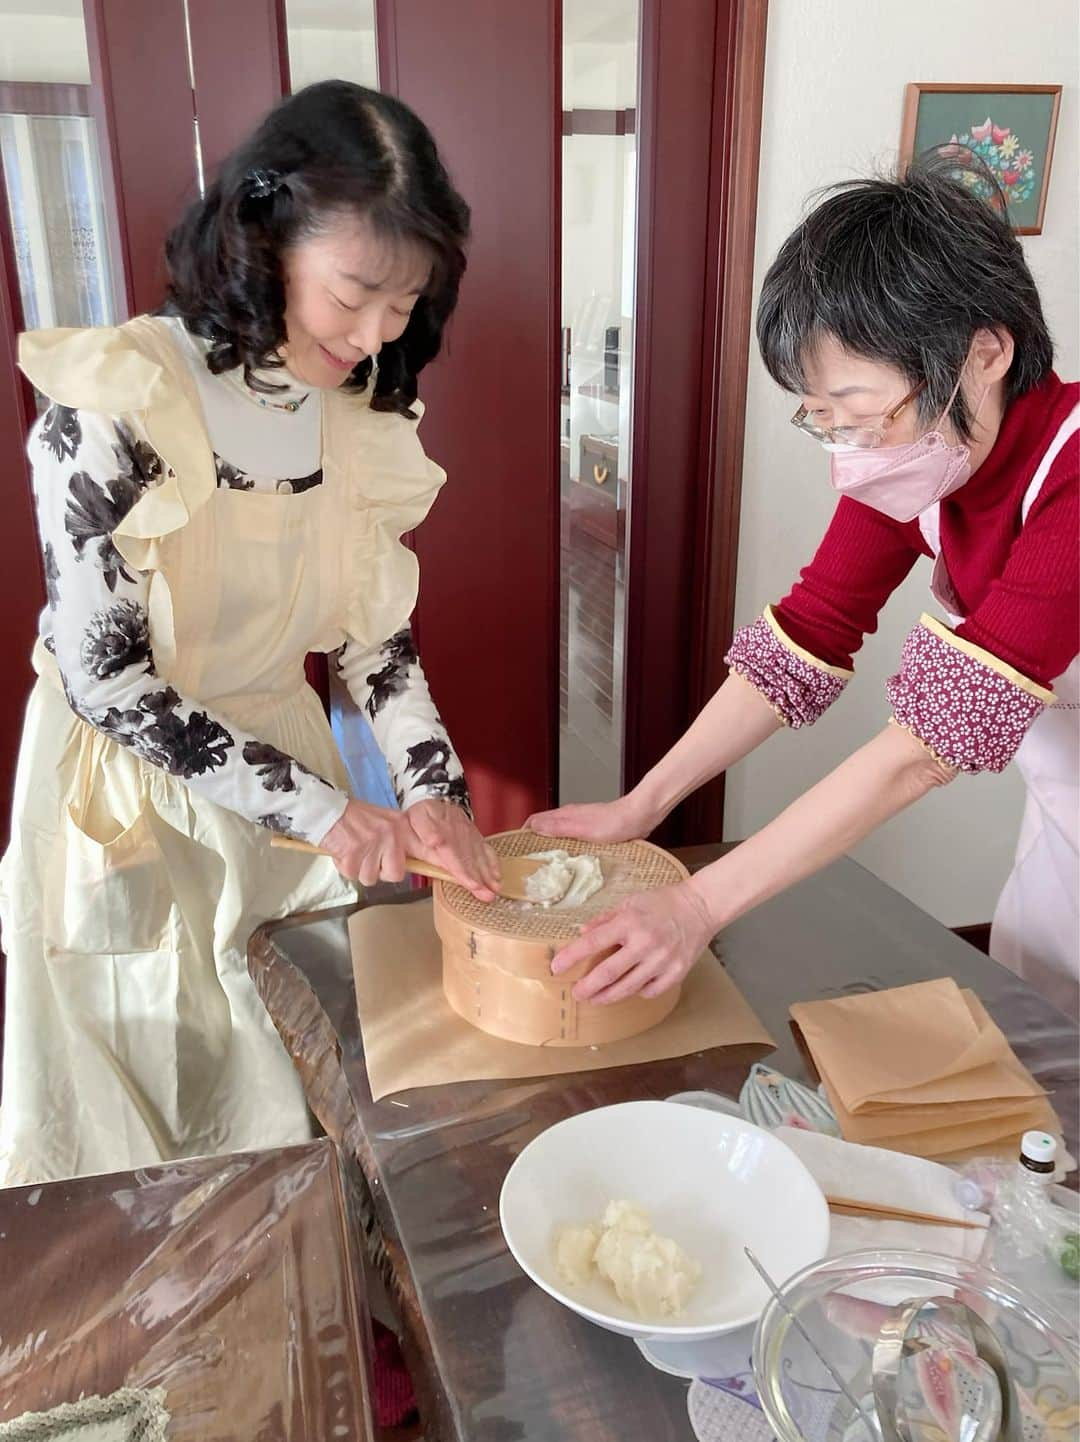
[(657, 936), (624, 820), (369, 843), (442, 833)]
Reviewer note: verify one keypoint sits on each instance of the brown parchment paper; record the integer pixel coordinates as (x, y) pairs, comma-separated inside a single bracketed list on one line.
[(921, 1069), (910, 1046), (413, 1039)]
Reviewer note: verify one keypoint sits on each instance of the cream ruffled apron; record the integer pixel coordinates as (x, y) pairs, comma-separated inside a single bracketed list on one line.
[(1036, 930), (134, 1033)]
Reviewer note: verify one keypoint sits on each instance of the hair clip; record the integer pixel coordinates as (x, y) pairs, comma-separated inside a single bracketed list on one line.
[(262, 183)]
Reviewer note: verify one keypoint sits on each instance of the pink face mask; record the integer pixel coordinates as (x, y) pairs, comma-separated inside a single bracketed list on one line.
[(902, 481)]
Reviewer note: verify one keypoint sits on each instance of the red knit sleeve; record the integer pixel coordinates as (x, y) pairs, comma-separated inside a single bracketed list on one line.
[(1030, 616), (862, 558)]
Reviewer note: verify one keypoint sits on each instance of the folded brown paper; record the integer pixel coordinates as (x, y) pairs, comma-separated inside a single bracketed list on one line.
[(413, 1039), (909, 1130), (984, 1136), (911, 1045), (921, 1069), (901, 1121)]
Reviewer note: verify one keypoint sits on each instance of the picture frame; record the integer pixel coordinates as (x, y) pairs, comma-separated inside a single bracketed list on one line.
[(1011, 128)]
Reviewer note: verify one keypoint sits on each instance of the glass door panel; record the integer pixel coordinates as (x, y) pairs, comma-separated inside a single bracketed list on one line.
[(600, 68), (49, 151), (332, 39)]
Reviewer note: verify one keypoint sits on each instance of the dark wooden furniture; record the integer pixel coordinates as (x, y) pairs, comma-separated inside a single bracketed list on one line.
[(597, 502), (495, 1359)]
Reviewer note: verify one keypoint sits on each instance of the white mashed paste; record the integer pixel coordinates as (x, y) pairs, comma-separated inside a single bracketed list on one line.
[(565, 880), (650, 1273)]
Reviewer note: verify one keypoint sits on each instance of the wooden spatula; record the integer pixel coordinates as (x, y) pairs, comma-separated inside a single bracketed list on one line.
[(514, 871)]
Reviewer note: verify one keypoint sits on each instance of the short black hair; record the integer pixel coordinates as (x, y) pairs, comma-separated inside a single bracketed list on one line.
[(332, 149), (904, 270)]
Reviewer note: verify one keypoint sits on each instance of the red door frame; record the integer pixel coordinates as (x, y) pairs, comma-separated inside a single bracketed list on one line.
[(740, 82), (142, 105), (486, 75), (23, 589), (22, 592), (150, 174), (699, 120), (674, 139), (231, 97)]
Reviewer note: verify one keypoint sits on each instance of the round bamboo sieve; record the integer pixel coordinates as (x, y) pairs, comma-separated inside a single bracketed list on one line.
[(497, 955)]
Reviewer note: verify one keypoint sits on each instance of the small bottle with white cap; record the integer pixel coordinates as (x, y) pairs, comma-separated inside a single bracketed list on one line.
[(1038, 1160), (1022, 1209)]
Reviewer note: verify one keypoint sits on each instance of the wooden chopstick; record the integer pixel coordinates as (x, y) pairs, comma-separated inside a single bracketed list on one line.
[(848, 1207)]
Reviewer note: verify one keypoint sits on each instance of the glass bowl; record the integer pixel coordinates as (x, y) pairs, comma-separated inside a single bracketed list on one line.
[(944, 1391)]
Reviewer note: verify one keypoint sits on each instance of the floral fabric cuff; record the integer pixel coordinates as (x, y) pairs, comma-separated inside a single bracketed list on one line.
[(970, 709), (799, 687)]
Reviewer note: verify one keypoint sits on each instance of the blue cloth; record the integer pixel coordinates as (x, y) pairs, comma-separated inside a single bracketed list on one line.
[(369, 775)]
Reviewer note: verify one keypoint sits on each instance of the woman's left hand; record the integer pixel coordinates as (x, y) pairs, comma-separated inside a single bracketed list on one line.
[(658, 935), (445, 835)]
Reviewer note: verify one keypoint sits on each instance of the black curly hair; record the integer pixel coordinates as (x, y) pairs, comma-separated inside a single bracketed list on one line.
[(332, 149), (905, 269)]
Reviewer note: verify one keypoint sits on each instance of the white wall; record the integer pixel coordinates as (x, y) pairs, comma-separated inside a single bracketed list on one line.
[(602, 75), (834, 89), (596, 76), (592, 223), (45, 47), (317, 53), (331, 40)]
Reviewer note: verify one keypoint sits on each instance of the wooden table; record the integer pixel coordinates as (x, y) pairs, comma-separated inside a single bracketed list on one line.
[(494, 1358), (231, 1282)]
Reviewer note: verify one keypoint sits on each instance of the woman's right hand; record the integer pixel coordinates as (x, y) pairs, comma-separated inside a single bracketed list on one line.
[(368, 843), (627, 819)]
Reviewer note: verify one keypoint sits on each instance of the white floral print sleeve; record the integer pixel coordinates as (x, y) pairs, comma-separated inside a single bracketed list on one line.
[(388, 685), (89, 470)]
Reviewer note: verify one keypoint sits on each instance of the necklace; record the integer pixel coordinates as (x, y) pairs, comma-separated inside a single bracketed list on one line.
[(291, 406), (268, 404)]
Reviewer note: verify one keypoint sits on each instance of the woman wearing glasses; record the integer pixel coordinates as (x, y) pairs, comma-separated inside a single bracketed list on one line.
[(905, 316)]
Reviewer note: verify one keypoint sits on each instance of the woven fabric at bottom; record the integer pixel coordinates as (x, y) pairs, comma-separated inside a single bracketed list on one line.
[(130, 1415)]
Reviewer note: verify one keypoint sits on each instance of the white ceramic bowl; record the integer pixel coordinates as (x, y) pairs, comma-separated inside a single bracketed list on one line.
[(714, 1183)]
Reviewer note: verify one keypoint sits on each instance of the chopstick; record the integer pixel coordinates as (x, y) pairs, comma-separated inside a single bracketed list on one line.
[(848, 1207)]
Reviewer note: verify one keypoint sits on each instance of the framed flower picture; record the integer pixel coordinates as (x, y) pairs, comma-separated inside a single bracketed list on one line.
[(1009, 127)]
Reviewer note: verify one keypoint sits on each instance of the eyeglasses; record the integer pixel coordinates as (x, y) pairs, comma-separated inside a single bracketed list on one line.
[(866, 436)]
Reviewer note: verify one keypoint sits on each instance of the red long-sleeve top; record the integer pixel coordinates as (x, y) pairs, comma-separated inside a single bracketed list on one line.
[(1016, 581)]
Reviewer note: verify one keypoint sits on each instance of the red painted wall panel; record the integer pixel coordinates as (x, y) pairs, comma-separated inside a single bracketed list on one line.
[(486, 77), (674, 133), (142, 103), (22, 588), (241, 63)]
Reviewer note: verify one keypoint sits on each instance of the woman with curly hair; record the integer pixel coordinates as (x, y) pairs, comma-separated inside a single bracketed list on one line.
[(221, 489)]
